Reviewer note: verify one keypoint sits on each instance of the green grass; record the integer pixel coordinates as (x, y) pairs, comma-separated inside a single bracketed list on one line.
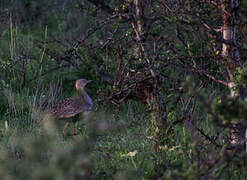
[(129, 150), (113, 143), (124, 149)]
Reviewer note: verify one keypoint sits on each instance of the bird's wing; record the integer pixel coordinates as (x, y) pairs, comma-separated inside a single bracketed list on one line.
[(67, 108)]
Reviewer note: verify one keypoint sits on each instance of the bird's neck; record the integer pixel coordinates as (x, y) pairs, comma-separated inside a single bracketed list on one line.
[(86, 97), (82, 92)]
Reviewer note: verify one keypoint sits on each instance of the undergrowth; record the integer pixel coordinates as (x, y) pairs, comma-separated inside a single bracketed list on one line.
[(115, 144)]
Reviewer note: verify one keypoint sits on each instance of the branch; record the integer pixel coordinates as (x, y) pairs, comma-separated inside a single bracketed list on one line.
[(101, 4), (225, 83), (211, 139)]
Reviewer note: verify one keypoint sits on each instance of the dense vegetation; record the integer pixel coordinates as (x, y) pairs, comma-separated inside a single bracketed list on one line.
[(169, 88)]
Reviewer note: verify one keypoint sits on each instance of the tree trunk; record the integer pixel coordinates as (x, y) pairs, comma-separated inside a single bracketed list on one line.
[(231, 58), (229, 51), (154, 102)]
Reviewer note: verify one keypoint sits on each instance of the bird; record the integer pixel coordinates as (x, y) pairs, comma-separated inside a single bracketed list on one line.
[(73, 107)]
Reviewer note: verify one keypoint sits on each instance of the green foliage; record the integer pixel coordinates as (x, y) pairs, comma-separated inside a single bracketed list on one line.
[(231, 110), (44, 156), (241, 76), (47, 45)]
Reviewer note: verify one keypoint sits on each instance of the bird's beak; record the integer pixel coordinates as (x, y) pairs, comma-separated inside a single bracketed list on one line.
[(88, 81)]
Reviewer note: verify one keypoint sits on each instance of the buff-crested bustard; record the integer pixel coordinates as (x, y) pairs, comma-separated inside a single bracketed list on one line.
[(72, 108)]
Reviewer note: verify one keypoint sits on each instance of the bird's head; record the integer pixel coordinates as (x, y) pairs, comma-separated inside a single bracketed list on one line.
[(81, 83)]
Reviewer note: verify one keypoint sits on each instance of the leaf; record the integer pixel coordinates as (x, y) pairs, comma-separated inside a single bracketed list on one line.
[(217, 52), (130, 154)]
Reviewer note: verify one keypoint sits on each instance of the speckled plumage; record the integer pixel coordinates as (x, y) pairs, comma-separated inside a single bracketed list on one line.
[(71, 107)]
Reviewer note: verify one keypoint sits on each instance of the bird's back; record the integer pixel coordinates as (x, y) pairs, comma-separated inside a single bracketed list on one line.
[(71, 107)]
